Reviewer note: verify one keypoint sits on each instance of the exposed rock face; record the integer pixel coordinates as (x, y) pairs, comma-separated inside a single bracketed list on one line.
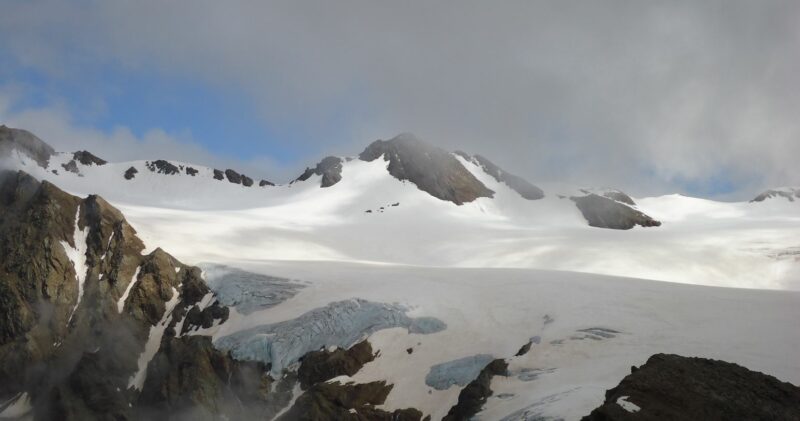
[(263, 183), (71, 166), (130, 173), (79, 304), (191, 171), (246, 181), (87, 158), (472, 397), (788, 193), (162, 167), (356, 402), (330, 168), (319, 366), (672, 387), (219, 175), (619, 197), (431, 169), (236, 178), (603, 212), (26, 143), (190, 380), (516, 183)]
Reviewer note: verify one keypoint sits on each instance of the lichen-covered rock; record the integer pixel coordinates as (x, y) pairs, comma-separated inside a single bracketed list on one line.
[(672, 387), (330, 168), (78, 300), (431, 169), (26, 143), (602, 212)]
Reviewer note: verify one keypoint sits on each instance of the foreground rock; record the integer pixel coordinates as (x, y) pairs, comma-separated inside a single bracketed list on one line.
[(431, 169), (672, 387), (604, 212), (89, 323)]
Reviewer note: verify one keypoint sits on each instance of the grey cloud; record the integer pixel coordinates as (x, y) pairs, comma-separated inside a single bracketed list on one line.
[(646, 96)]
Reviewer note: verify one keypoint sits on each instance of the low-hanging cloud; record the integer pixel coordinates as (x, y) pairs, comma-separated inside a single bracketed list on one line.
[(641, 95)]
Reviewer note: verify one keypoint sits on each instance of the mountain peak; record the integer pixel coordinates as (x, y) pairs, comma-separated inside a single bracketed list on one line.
[(430, 168)]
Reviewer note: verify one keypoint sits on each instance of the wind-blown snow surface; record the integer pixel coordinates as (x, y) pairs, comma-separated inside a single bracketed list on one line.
[(468, 267), (591, 329), (197, 218)]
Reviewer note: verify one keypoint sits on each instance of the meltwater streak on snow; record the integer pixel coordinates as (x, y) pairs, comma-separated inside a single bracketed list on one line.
[(153, 342), (77, 255), (341, 324), (134, 279)]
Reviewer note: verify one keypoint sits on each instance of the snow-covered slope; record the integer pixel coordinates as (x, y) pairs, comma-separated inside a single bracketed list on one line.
[(370, 216), (587, 330)]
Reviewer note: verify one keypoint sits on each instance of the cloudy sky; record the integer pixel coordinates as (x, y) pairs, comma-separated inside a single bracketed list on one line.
[(698, 97)]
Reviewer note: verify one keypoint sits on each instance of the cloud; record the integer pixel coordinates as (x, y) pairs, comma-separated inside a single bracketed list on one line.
[(55, 125), (631, 94)]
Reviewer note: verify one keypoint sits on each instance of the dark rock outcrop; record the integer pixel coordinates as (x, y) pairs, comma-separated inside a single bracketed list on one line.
[(188, 379), (236, 178), (672, 387), (789, 194), (516, 183), (619, 197), (319, 366), (87, 158), (431, 169), (26, 143), (263, 183), (71, 166), (353, 402), (191, 171), (161, 166), (603, 212), (130, 173), (474, 395), (330, 168), (219, 175)]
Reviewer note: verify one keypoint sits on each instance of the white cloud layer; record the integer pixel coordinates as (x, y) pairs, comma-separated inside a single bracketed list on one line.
[(641, 95)]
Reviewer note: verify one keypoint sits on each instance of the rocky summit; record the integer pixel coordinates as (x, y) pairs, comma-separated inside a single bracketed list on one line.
[(431, 169)]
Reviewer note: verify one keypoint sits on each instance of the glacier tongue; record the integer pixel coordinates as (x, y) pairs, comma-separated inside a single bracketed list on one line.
[(341, 323), (247, 291)]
